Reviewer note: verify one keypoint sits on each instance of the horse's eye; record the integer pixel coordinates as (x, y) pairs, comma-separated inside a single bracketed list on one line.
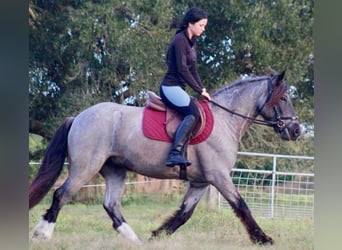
[(283, 98)]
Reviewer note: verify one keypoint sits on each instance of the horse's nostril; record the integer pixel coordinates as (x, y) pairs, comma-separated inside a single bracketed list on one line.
[(296, 130)]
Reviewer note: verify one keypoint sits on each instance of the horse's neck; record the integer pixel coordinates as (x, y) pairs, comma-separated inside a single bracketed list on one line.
[(243, 100)]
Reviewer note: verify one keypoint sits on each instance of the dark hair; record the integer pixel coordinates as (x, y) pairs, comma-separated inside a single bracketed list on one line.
[(192, 15)]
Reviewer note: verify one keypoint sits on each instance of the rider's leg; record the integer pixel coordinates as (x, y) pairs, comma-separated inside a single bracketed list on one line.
[(176, 98), (182, 135)]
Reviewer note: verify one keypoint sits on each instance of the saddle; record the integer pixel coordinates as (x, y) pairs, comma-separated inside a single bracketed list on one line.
[(171, 119)]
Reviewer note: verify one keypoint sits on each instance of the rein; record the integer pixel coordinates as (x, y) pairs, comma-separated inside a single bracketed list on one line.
[(279, 119), (254, 120)]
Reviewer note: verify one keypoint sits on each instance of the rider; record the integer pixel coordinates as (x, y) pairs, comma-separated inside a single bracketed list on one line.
[(182, 70)]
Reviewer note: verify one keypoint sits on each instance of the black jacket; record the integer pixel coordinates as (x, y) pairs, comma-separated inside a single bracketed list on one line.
[(181, 60)]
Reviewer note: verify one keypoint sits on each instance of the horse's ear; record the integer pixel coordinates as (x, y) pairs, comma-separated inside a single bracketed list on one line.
[(280, 87), (280, 78)]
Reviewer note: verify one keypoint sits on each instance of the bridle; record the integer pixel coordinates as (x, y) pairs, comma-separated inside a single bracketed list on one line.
[(279, 120)]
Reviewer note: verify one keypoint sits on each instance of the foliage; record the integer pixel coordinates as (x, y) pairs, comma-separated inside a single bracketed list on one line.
[(85, 52), (37, 146)]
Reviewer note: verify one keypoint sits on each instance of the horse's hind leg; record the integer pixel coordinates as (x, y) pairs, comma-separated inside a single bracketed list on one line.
[(77, 177), (190, 201), (115, 185), (44, 229), (229, 192)]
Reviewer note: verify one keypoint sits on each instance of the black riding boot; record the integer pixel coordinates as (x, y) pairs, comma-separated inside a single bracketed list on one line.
[(183, 132)]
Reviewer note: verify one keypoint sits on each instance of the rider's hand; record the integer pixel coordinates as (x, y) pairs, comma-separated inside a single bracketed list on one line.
[(205, 94)]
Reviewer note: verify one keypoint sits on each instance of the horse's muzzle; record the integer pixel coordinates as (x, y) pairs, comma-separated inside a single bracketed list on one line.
[(290, 131)]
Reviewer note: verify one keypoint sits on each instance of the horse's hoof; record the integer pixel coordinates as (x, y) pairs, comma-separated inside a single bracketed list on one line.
[(43, 230), (267, 241), (39, 237), (264, 240)]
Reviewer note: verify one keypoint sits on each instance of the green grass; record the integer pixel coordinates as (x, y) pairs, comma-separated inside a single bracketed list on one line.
[(81, 226)]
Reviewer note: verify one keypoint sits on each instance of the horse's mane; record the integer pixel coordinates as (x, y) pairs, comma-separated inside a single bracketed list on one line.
[(277, 93), (239, 82)]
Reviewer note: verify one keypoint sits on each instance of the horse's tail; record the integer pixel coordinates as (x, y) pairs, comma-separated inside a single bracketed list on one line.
[(52, 164)]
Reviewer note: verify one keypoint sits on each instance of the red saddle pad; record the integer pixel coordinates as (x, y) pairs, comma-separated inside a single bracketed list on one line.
[(153, 125)]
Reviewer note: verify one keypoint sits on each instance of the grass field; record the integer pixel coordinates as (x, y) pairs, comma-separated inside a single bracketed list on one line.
[(81, 226)]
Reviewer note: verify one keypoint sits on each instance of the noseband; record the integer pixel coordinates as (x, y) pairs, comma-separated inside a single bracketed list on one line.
[(279, 120)]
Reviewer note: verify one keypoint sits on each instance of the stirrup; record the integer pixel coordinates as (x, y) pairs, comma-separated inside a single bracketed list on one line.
[(176, 159)]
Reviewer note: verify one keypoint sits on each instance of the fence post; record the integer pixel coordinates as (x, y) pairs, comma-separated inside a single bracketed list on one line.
[(274, 169)]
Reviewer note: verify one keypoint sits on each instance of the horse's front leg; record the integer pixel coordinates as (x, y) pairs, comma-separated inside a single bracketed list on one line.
[(191, 199), (115, 185), (226, 187)]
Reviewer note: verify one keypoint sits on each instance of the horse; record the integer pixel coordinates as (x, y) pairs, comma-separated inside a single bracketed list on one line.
[(107, 138)]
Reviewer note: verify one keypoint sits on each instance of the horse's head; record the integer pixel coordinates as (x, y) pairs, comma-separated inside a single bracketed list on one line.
[(279, 109)]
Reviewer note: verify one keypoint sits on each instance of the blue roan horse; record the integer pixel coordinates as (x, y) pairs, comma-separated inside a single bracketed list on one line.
[(108, 138)]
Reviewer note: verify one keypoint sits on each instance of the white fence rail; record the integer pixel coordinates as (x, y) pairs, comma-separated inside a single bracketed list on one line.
[(272, 193), (269, 193)]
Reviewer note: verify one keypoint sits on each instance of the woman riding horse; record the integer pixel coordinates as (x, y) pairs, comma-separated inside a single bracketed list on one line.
[(182, 70)]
